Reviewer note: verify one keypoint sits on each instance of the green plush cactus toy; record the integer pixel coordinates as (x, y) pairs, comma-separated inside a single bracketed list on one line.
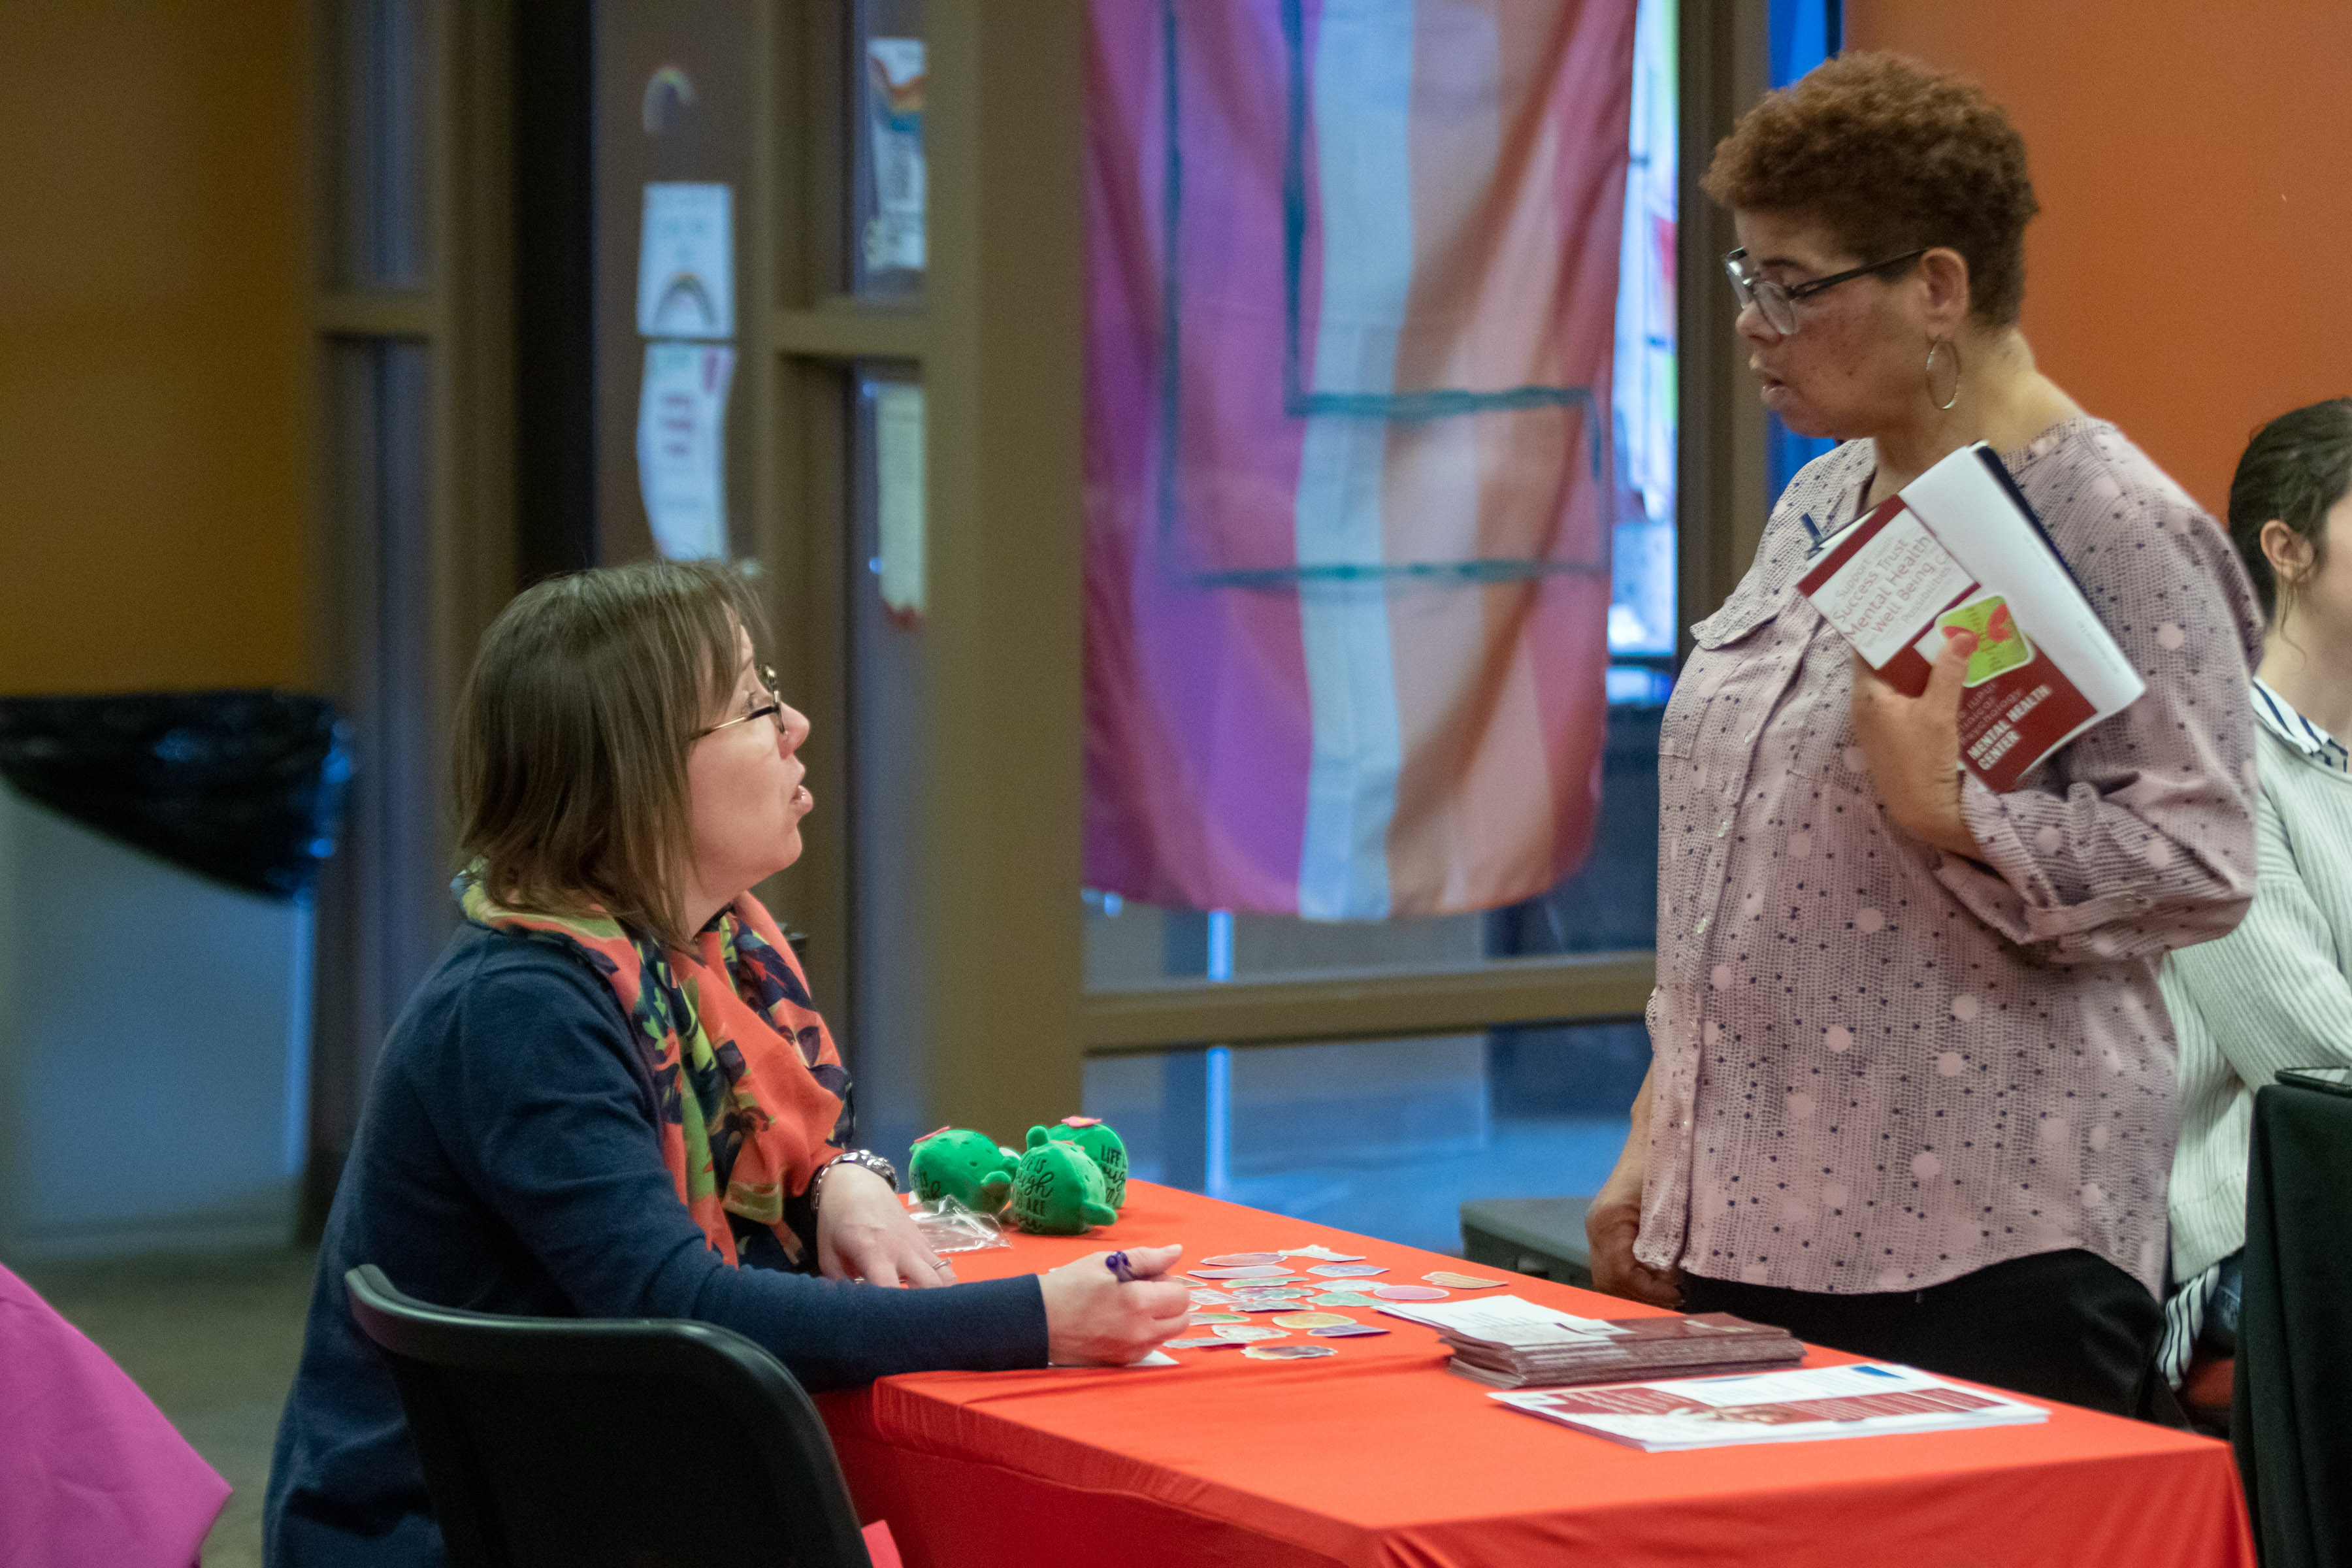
[(956, 1162), (1102, 1143), (1058, 1189)]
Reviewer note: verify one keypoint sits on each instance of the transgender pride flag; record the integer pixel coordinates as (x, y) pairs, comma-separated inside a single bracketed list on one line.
[(1352, 279)]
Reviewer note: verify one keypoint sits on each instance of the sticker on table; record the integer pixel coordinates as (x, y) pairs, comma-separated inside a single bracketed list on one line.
[(1325, 1253), (1343, 1298), (1349, 1333), (1287, 1352), (1310, 1320), (1240, 1260), (1410, 1292), (1272, 1293), (1347, 1270), (1460, 1281), (1266, 1305), (1207, 1344), (1199, 1318), (1244, 1331), (1244, 1271), (1210, 1297)]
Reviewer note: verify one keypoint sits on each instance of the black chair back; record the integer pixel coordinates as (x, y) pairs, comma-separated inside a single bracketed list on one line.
[(2294, 1389), (609, 1443)]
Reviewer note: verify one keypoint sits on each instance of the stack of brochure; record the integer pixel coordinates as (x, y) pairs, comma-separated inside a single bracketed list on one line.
[(1515, 1344), (1869, 1399)]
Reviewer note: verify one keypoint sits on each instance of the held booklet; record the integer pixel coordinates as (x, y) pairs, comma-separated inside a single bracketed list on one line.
[(1959, 549), (1867, 1399)]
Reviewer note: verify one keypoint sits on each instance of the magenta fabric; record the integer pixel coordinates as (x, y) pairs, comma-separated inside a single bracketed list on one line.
[(90, 1472), (1196, 697)]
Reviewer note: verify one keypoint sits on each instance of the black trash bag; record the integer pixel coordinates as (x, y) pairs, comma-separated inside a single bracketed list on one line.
[(245, 786)]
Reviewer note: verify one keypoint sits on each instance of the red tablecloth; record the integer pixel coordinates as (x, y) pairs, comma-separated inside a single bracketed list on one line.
[(1378, 1456)]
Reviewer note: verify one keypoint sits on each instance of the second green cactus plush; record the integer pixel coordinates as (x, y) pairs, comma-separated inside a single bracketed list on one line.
[(956, 1162), (1057, 1190), (1103, 1147)]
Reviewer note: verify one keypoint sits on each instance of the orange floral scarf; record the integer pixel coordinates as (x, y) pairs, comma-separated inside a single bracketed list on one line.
[(754, 1100)]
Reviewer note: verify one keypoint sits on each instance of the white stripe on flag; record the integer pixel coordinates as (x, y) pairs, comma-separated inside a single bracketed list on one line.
[(1361, 95)]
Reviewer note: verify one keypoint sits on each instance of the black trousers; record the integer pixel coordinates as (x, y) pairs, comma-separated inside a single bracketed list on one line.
[(2058, 1325)]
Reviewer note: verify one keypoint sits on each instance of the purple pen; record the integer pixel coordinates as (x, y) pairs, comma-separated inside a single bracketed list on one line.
[(1117, 1263)]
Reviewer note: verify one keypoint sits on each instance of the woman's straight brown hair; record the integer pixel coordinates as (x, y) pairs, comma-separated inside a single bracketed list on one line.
[(572, 734)]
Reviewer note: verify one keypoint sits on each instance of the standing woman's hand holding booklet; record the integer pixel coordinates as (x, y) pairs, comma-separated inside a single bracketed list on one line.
[(1959, 551)]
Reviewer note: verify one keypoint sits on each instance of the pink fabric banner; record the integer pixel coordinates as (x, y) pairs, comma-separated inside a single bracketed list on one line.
[(91, 1471), (1352, 275)]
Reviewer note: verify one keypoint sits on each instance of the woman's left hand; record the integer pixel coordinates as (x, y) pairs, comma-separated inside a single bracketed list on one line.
[(863, 1233), (1911, 745)]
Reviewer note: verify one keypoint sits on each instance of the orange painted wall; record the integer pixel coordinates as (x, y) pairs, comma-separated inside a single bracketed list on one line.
[(154, 528), (2187, 278)]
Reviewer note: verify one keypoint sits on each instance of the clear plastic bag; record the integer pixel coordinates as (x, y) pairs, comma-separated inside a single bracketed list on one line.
[(949, 1226)]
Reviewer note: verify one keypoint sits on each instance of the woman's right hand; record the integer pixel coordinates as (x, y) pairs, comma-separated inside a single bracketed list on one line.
[(1613, 1223), (1611, 1226), (1094, 1318)]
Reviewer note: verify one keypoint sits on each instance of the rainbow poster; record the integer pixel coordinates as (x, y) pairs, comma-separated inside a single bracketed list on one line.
[(1351, 288)]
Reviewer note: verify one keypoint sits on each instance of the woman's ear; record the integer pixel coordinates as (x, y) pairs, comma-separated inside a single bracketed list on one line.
[(2288, 553), (1944, 273)]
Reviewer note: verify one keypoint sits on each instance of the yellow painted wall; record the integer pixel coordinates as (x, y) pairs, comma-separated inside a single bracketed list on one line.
[(155, 525)]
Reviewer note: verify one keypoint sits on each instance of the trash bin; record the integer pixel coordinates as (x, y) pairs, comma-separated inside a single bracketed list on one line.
[(157, 853)]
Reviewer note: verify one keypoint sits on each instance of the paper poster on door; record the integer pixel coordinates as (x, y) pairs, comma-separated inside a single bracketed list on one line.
[(898, 498), (894, 89), (686, 262), (682, 447)]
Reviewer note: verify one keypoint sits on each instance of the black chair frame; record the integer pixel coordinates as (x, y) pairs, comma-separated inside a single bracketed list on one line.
[(743, 1389)]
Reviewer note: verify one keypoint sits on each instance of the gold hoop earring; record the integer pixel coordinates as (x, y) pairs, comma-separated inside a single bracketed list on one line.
[(1933, 350)]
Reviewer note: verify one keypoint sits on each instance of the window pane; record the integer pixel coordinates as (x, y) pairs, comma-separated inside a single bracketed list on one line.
[(1385, 1137), (1608, 903), (1641, 608), (886, 174), (1804, 33)]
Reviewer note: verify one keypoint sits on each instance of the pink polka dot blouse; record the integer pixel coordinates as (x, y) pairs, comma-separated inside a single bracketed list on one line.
[(1879, 1066)]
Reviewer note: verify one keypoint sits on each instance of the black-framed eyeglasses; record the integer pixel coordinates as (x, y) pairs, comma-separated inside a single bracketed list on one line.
[(772, 709), (1777, 302)]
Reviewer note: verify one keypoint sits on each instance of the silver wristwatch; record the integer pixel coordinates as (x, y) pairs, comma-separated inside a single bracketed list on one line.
[(864, 1157)]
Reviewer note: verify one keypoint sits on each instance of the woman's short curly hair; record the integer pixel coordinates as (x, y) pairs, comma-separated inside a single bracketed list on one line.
[(1890, 156)]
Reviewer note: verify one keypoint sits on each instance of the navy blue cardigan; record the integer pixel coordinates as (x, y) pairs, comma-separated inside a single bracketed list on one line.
[(508, 1161)]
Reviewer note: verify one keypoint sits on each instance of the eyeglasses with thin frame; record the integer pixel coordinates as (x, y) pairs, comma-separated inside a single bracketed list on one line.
[(775, 708), (1777, 302)]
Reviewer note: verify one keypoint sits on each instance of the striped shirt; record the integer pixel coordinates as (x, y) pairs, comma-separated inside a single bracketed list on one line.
[(2272, 995), (2279, 716)]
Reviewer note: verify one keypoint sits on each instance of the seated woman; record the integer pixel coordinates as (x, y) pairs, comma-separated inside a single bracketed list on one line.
[(2275, 992), (611, 1097)]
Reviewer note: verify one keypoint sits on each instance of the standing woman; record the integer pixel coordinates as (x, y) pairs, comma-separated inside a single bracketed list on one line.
[(2277, 992), (611, 1097), (1912, 1083)]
